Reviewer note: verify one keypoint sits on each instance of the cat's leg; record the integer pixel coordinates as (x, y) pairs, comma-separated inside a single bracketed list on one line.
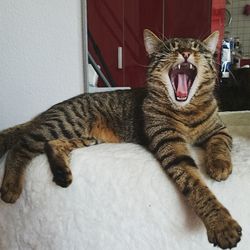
[(19, 156), (218, 155), (222, 229), (173, 154), (58, 152), (9, 137)]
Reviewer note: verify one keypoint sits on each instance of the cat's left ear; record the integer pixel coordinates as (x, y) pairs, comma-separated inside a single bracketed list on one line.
[(212, 41), (151, 41)]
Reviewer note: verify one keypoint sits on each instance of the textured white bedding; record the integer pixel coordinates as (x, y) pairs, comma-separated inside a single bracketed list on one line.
[(120, 199)]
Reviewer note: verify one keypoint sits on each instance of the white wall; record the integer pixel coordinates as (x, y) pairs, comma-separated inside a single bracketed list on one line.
[(40, 56)]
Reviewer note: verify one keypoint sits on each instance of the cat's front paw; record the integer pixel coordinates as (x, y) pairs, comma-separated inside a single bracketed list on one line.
[(10, 191), (62, 176), (219, 169), (225, 233)]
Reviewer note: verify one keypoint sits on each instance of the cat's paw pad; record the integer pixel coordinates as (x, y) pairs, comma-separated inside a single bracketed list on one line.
[(219, 170), (62, 177), (10, 192), (225, 233)]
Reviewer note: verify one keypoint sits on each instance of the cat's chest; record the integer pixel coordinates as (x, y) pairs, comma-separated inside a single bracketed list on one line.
[(199, 130), (193, 128)]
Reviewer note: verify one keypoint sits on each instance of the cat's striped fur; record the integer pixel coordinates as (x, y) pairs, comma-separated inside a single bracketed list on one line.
[(154, 117)]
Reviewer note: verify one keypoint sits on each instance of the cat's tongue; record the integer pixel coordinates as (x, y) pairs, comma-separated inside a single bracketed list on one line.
[(182, 87)]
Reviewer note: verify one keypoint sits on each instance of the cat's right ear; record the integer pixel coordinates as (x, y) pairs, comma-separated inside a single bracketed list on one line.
[(151, 41), (212, 41)]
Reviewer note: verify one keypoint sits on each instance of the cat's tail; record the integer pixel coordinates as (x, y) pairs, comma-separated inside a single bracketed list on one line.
[(10, 136)]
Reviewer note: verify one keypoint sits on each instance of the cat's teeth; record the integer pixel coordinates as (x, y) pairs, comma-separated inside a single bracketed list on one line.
[(190, 66), (179, 66)]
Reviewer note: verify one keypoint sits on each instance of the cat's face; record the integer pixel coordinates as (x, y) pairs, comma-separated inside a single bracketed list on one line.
[(184, 66)]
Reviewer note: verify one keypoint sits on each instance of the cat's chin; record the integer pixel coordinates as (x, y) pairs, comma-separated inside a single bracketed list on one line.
[(182, 77)]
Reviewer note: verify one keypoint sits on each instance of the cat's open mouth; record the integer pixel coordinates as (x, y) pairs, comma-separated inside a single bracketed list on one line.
[(182, 77)]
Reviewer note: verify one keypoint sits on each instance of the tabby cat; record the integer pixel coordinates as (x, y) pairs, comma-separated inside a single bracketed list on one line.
[(176, 109)]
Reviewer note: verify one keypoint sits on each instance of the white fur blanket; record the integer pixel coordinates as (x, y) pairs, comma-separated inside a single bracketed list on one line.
[(120, 199)]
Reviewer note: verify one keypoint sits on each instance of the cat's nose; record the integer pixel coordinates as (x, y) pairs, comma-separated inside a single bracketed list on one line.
[(186, 54)]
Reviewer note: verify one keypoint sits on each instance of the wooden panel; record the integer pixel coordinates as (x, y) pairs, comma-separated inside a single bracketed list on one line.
[(139, 15), (187, 18), (105, 22), (115, 23)]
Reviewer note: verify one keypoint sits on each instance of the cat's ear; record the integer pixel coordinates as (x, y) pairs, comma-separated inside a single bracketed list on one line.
[(212, 41), (151, 41)]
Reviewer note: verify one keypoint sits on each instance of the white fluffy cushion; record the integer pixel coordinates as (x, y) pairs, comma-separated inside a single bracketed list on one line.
[(120, 199)]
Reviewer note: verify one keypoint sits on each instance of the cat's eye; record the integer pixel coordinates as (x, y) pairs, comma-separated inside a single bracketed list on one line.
[(195, 46)]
